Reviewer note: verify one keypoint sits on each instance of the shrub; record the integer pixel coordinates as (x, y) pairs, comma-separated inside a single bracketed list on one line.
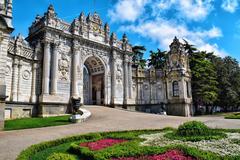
[(193, 128), (195, 131), (233, 116), (61, 156)]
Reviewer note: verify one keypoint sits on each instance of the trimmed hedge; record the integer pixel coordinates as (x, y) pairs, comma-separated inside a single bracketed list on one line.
[(193, 128), (233, 116), (195, 131), (30, 151), (61, 156), (130, 148)]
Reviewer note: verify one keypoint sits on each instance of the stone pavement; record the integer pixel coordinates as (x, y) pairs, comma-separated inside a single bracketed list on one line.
[(103, 119)]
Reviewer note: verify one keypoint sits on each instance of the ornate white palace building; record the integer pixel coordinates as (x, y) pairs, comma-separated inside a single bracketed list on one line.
[(58, 60)]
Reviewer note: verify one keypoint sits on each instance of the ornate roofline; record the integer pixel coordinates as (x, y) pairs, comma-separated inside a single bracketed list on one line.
[(86, 28)]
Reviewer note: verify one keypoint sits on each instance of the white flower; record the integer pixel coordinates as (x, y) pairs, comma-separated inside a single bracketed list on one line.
[(222, 147)]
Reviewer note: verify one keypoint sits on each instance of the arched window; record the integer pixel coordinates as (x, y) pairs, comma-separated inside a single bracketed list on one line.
[(175, 87), (188, 91)]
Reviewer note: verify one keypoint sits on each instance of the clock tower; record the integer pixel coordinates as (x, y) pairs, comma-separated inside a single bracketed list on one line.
[(178, 81)]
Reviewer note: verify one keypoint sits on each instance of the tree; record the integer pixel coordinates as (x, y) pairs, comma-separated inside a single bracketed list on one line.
[(204, 77), (230, 79), (157, 59), (137, 56), (189, 48), (204, 80)]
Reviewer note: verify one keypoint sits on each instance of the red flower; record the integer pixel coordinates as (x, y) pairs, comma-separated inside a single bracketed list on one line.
[(169, 155), (101, 144)]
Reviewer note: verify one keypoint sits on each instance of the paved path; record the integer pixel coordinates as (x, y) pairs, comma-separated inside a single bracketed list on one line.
[(103, 119)]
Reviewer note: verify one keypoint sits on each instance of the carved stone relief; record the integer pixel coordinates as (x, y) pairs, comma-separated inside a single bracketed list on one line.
[(64, 66), (8, 70), (119, 73), (26, 75)]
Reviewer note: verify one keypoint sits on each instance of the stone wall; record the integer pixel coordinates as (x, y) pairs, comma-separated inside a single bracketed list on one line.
[(45, 70), (5, 31), (20, 110)]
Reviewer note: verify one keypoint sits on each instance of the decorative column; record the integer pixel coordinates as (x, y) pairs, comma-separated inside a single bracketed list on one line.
[(19, 80), (125, 65), (46, 69), (33, 91), (14, 80), (130, 79), (113, 80), (75, 58), (54, 69)]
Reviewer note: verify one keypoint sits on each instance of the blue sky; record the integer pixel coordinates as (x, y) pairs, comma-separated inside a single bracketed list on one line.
[(212, 25)]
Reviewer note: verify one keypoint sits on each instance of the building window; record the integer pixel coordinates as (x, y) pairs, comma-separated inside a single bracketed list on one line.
[(175, 89), (188, 91)]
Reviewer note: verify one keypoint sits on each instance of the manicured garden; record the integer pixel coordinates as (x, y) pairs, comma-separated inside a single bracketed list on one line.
[(25, 123), (191, 141)]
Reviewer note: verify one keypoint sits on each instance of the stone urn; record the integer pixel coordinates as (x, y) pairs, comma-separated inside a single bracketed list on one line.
[(77, 113)]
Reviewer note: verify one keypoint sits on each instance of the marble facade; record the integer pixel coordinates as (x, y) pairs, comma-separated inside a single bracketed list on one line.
[(58, 61)]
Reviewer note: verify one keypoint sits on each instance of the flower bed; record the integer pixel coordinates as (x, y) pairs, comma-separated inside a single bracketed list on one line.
[(101, 144), (223, 147), (169, 155), (136, 145)]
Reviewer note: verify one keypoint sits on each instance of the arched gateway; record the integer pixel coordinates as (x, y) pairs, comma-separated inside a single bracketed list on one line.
[(94, 81), (82, 59)]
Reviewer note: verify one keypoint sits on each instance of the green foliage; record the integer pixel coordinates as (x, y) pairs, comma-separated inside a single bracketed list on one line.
[(157, 59), (192, 128), (215, 80), (61, 156), (25, 123), (233, 116), (229, 82), (195, 131), (204, 79), (137, 56), (29, 152)]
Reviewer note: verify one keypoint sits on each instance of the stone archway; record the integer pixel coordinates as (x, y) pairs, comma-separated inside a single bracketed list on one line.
[(93, 81)]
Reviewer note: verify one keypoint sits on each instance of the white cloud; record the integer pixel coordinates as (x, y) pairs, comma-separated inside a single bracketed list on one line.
[(165, 4), (163, 31), (127, 10), (147, 18), (230, 5), (189, 9), (213, 48), (195, 9)]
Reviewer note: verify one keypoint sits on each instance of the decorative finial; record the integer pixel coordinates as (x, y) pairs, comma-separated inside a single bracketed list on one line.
[(89, 17), (51, 11), (175, 46), (50, 7), (106, 27), (113, 38), (19, 38), (81, 17), (124, 38)]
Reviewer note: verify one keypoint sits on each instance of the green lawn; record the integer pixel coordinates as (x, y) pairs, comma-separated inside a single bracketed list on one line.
[(25, 123), (233, 116)]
